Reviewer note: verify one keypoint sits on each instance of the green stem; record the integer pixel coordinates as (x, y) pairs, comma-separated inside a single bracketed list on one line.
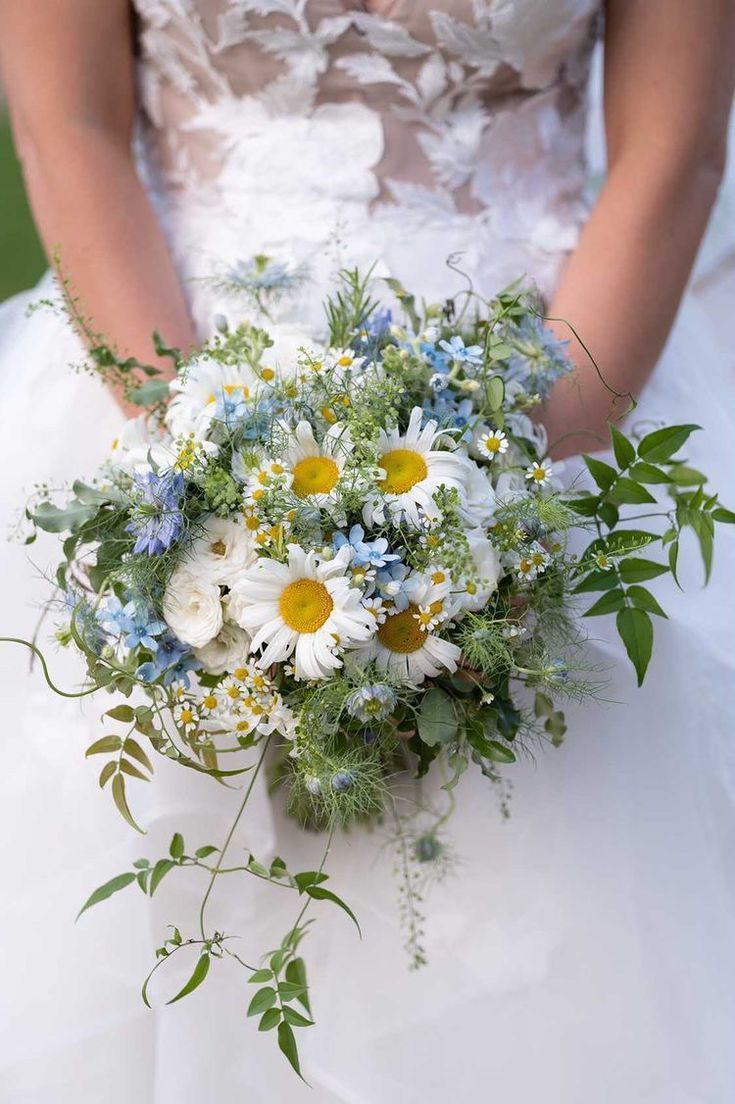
[(40, 657), (228, 838)]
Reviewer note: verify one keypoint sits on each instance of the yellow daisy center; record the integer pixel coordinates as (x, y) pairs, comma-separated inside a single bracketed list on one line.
[(315, 475), (305, 605), (492, 444), (401, 633), (438, 577), (209, 702), (268, 374), (403, 469), (186, 716), (539, 474), (252, 523)]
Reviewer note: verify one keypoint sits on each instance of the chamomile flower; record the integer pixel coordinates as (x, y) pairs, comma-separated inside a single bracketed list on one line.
[(539, 474), (186, 716), (306, 608), (376, 609), (413, 471), (603, 562), (493, 443), (316, 468)]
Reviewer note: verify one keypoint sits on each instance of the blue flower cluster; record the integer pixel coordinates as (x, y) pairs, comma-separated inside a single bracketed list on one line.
[(136, 626), (364, 553), (158, 521)]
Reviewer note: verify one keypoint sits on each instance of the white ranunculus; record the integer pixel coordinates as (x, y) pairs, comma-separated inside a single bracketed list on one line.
[(289, 344), (488, 570), (226, 652), (192, 607), (223, 550)]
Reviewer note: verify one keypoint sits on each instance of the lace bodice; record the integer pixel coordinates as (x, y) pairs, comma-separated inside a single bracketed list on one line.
[(318, 127)]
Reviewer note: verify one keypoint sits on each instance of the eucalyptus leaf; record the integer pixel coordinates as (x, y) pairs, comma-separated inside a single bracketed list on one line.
[(437, 721)]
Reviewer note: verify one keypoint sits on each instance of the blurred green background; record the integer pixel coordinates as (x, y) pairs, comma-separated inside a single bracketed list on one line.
[(21, 257)]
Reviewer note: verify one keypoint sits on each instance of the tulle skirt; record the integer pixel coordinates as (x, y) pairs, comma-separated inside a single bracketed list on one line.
[(582, 950)]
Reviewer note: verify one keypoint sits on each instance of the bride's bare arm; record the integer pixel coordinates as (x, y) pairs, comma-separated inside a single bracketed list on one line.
[(68, 69), (669, 73)]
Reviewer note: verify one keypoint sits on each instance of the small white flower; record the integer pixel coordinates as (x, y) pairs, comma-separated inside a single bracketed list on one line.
[(186, 716), (492, 444), (192, 607), (540, 474)]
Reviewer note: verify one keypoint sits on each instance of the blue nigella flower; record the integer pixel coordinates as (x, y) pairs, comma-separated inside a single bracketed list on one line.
[(373, 553), (157, 520), (539, 358), (370, 703), (342, 781), (458, 351)]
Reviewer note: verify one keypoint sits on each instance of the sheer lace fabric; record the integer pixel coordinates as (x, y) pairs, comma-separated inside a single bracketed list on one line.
[(322, 129)]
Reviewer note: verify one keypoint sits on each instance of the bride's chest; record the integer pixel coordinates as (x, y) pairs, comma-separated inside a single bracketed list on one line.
[(242, 44)]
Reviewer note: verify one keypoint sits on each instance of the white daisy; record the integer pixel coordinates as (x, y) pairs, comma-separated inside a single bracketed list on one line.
[(305, 608), (197, 391), (317, 468), (405, 645), (414, 471)]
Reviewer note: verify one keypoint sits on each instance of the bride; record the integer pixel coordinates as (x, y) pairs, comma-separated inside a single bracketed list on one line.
[(585, 951)]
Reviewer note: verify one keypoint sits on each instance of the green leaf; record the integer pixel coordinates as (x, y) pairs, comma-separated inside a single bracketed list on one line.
[(263, 999), (674, 559), (586, 505), (684, 476), (649, 473), (260, 975), (637, 570), (160, 870), (603, 474), (724, 516), (636, 632), (121, 713), (499, 753), (128, 768), (206, 851), (609, 603), (287, 1044), (644, 600), (118, 796), (149, 393), (609, 514), (620, 543), (290, 990), (296, 973), (133, 749), (495, 393), (176, 847), (622, 447), (52, 519), (200, 972), (104, 891), (309, 877), (106, 774), (437, 721), (103, 746), (319, 893), (663, 443), (628, 491), (293, 1017), (270, 1019), (596, 580)]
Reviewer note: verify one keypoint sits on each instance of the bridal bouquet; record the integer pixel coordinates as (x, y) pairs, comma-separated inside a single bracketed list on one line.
[(353, 560)]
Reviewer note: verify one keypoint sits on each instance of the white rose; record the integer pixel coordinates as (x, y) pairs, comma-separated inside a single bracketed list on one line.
[(192, 607), (478, 508), (223, 550), (228, 650)]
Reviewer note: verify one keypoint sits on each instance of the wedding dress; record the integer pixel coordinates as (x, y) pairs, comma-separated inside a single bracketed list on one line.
[(582, 950)]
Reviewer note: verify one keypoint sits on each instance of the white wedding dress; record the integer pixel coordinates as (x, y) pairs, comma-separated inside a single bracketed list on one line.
[(582, 952)]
